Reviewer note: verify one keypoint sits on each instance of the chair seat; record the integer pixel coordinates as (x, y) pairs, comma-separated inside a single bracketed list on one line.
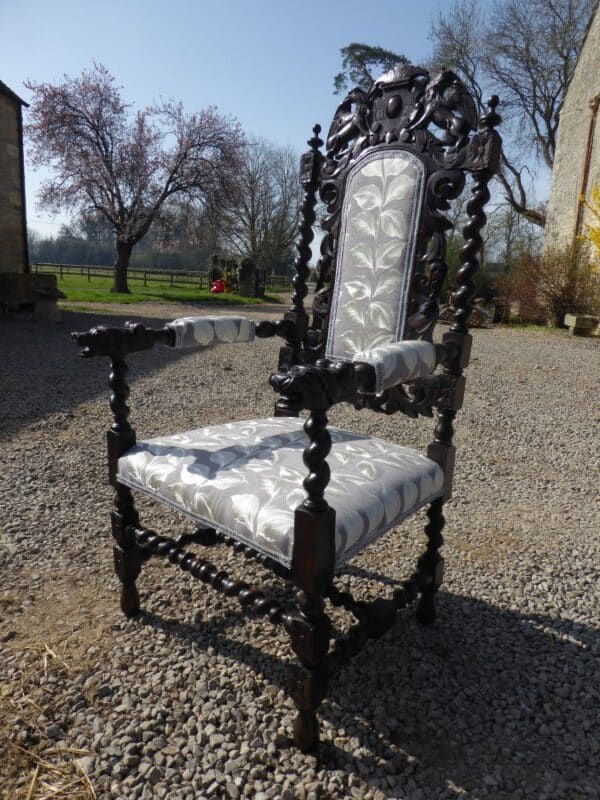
[(245, 479)]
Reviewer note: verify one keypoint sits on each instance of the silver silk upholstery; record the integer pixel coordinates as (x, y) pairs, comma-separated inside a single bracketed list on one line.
[(399, 362), (245, 479), (381, 214), (210, 331)]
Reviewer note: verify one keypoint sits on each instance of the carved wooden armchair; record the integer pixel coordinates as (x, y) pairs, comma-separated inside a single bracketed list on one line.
[(297, 494)]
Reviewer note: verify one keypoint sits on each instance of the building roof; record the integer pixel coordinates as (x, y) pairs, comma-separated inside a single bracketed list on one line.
[(9, 93)]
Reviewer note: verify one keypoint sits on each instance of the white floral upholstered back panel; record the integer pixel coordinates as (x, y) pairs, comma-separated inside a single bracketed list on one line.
[(380, 220)]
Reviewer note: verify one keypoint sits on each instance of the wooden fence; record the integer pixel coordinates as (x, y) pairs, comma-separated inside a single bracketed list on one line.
[(174, 277)]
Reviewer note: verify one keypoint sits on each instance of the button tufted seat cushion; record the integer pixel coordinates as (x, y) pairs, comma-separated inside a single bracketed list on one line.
[(245, 479)]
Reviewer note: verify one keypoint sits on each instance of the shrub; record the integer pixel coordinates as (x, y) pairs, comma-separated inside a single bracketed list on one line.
[(556, 282)]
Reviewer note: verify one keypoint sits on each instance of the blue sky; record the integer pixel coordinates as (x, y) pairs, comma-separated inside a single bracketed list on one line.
[(270, 64)]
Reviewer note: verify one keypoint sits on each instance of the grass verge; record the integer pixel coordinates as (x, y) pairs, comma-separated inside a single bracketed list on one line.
[(77, 289)]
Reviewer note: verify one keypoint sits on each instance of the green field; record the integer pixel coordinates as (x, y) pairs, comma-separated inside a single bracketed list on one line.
[(78, 289)]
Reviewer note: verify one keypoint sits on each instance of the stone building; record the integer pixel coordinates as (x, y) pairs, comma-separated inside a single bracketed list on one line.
[(577, 161), (13, 228), (19, 289)]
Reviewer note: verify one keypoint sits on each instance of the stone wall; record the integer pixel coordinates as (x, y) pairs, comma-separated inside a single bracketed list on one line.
[(579, 117), (19, 289), (13, 255)]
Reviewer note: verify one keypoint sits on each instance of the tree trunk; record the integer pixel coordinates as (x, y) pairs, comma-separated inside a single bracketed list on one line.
[(121, 264)]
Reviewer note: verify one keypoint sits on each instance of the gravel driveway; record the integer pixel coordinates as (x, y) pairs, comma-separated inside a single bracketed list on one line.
[(500, 699)]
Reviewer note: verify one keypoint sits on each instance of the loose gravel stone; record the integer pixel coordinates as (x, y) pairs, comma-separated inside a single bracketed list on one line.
[(498, 700)]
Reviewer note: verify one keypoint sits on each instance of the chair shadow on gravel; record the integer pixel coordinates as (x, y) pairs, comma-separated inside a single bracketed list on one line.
[(40, 361), (488, 698)]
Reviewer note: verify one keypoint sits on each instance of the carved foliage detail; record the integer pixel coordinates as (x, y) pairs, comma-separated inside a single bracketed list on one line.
[(444, 391)]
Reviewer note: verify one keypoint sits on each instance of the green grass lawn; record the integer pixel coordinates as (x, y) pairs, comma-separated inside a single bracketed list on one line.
[(77, 289)]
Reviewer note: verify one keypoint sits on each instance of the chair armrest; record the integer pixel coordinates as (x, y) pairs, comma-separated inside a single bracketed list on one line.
[(399, 362), (184, 332), (210, 331)]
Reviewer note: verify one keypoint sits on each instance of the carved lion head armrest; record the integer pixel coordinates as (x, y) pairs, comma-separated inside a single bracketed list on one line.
[(118, 342)]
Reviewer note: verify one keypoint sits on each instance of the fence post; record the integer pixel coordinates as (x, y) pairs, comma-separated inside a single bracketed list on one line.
[(171, 280), (145, 278), (89, 276), (61, 272)]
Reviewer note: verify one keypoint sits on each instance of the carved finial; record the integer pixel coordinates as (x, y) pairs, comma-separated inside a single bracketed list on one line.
[(491, 118), (315, 143)]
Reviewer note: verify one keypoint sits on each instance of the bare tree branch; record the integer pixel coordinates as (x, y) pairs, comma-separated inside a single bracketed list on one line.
[(262, 224), (525, 52)]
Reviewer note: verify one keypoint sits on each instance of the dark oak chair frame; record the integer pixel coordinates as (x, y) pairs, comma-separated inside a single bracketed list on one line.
[(435, 119)]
